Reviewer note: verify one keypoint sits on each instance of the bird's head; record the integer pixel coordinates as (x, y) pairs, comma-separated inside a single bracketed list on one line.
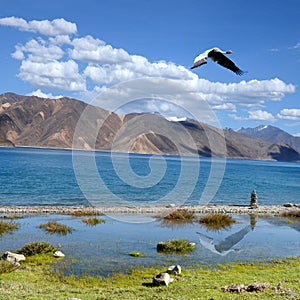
[(228, 52)]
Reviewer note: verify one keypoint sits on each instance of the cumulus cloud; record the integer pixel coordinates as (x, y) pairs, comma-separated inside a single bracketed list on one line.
[(38, 50), (53, 75), (45, 27), (39, 93), (260, 115), (256, 115), (62, 62), (289, 114), (93, 50)]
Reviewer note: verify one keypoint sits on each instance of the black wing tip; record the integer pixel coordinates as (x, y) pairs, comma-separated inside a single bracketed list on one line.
[(240, 72)]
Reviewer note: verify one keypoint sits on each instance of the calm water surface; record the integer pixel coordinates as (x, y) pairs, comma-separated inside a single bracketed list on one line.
[(104, 249), (47, 177)]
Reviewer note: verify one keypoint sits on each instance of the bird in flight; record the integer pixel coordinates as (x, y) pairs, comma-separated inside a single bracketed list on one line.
[(218, 56)]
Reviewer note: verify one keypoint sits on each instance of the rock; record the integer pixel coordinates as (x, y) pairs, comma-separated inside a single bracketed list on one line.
[(13, 257), (174, 270), (288, 204), (162, 279), (254, 200), (58, 254), (234, 288), (257, 287)]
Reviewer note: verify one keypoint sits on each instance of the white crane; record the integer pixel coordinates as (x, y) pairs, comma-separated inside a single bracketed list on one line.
[(218, 56)]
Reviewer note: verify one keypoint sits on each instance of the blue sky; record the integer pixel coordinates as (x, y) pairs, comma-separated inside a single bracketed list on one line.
[(82, 48)]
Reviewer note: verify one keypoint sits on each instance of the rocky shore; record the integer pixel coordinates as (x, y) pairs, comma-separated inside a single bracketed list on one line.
[(155, 210)]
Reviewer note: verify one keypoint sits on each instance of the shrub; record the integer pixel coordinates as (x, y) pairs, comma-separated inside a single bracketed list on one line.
[(93, 221), (216, 221), (7, 227), (181, 215), (175, 246), (85, 213), (6, 266), (11, 217), (34, 248), (54, 227), (295, 213), (136, 254)]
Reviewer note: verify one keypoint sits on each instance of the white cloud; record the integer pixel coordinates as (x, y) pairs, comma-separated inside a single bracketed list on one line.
[(38, 51), (260, 115), (39, 93), (45, 27), (289, 114), (93, 50), (53, 75), (255, 115), (71, 64)]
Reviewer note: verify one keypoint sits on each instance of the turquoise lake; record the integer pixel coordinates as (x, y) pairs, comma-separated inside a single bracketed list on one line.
[(61, 177), (31, 176)]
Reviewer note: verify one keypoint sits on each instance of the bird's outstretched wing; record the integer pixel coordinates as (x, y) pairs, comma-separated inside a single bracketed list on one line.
[(224, 61), (199, 61)]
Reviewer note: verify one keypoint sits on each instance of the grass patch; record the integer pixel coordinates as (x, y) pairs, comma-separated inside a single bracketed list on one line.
[(136, 254), (216, 221), (7, 227), (11, 217), (36, 281), (85, 213), (35, 248), (180, 215), (93, 221), (295, 213), (6, 267), (175, 246), (54, 227)]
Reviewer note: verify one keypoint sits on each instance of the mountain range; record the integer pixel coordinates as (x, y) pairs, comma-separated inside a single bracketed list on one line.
[(272, 134), (53, 123)]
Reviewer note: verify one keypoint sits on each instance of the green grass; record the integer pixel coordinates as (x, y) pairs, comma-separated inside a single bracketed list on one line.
[(38, 247), (216, 221), (180, 215), (7, 227), (175, 246), (85, 213), (54, 227), (295, 213), (93, 221), (35, 281)]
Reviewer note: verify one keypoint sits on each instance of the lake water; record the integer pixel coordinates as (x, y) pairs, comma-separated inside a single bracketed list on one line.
[(104, 249), (61, 177), (31, 176)]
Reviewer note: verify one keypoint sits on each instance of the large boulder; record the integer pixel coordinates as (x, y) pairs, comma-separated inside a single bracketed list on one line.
[(162, 279), (13, 257)]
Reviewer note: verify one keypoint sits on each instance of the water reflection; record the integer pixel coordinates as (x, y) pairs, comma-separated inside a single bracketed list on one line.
[(226, 245), (109, 243)]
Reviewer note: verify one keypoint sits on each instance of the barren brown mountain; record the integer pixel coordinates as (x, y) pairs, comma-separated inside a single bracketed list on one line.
[(38, 122)]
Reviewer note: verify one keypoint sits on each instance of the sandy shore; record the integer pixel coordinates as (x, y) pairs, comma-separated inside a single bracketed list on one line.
[(155, 210)]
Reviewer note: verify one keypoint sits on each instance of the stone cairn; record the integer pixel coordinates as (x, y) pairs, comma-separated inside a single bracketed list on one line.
[(254, 200)]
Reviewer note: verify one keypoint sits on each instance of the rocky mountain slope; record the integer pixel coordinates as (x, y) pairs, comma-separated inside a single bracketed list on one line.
[(38, 122), (272, 134)]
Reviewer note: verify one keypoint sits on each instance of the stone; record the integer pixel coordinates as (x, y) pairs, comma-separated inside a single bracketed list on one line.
[(174, 270), (257, 287), (238, 288), (254, 200), (13, 257), (162, 279), (58, 254), (288, 204)]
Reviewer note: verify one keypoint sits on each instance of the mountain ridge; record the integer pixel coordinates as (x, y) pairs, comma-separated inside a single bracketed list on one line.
[(51, 123)]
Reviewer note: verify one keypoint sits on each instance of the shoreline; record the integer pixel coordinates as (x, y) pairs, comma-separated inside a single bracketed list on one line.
[(157, 210)]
